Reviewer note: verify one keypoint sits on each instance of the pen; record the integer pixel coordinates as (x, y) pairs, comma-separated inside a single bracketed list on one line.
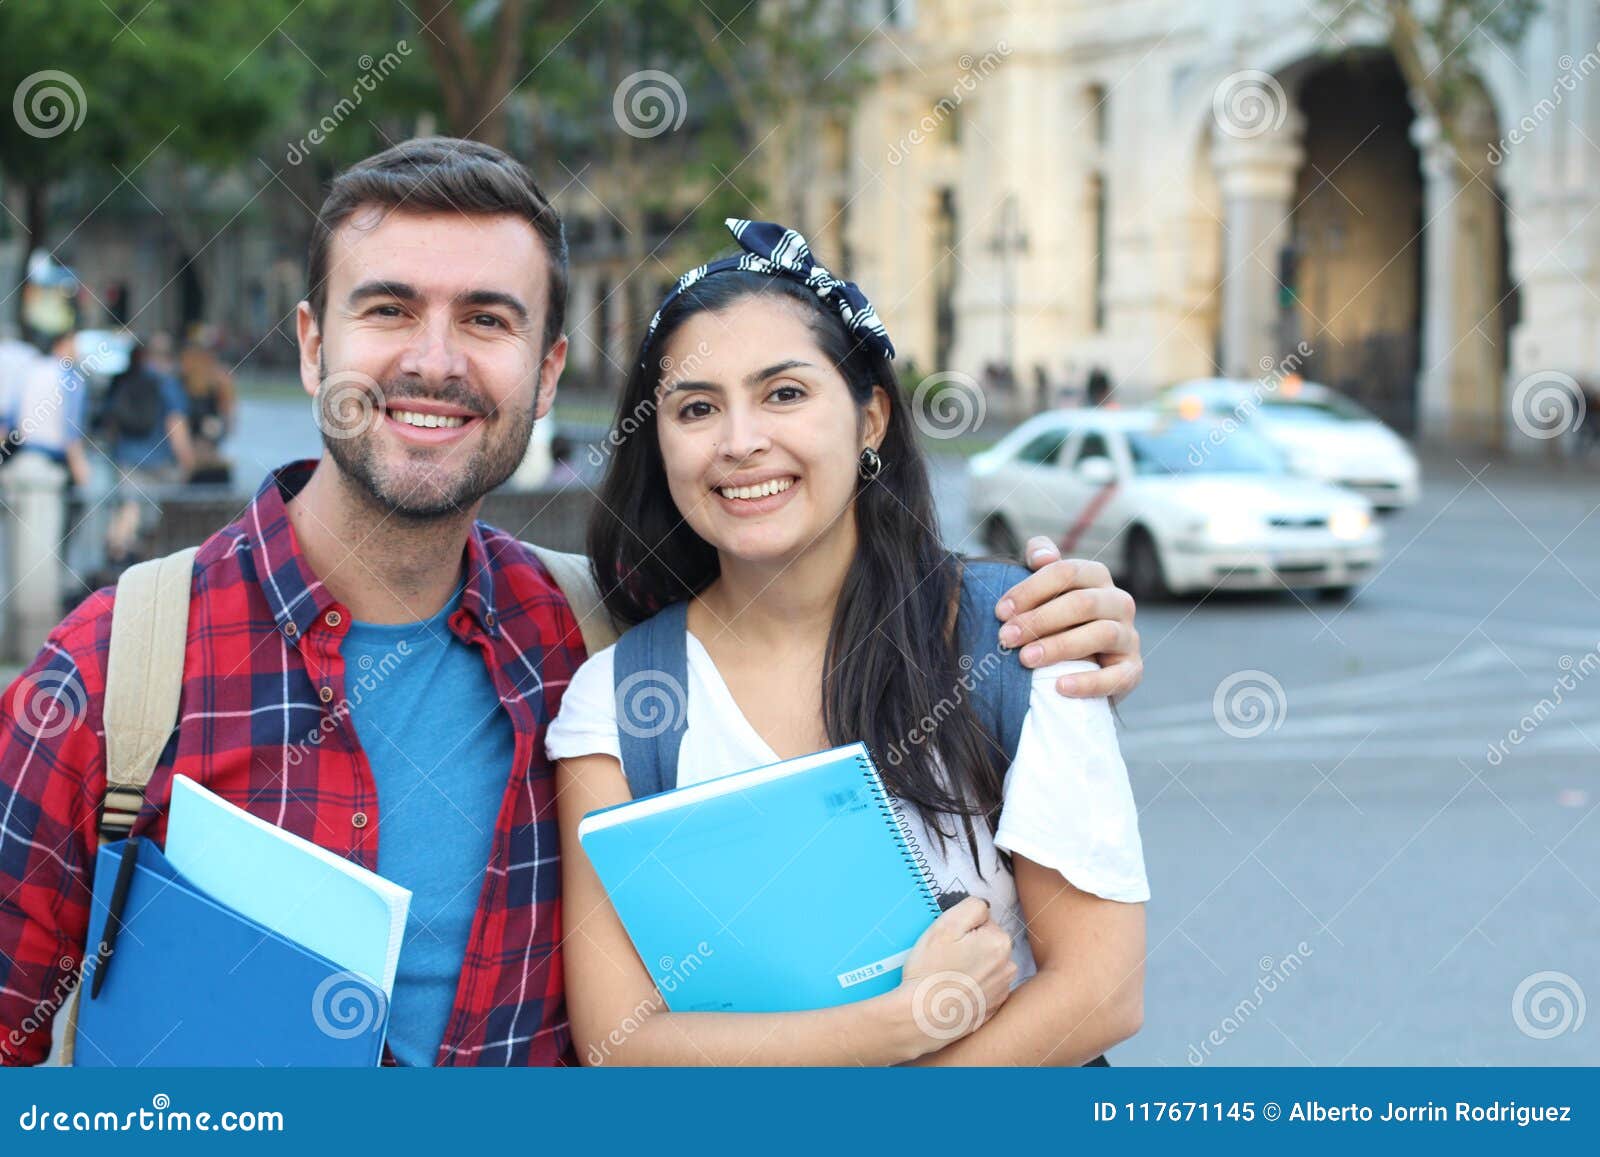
[(119, 899)]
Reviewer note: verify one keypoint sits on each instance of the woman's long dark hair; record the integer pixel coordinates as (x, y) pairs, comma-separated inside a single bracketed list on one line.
[(892, 676)]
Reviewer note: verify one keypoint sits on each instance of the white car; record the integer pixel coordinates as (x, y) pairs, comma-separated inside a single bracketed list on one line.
[(1171, 505), (1323, 433)]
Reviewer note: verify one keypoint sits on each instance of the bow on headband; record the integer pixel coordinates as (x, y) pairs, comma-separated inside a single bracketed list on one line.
[(780, 252)]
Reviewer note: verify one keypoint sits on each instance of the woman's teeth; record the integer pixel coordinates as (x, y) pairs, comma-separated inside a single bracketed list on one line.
[(760, 490), (428, 421)]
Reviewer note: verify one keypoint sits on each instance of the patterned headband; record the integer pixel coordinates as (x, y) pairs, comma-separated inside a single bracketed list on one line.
[(781, 252)]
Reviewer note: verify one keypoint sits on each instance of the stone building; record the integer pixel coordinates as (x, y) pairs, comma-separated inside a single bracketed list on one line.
[(1170, 190)]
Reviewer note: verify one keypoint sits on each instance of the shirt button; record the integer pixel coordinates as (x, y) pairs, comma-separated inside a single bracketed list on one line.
[(489, 618), (327, 694), (291, 630), (359, 820), (333, 618)]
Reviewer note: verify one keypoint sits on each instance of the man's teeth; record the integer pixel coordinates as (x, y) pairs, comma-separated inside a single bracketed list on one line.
[(761, 490), (428, 421)]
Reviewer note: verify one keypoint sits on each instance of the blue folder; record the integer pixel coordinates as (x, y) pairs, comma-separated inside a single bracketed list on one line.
[(788, 887), (192, 982)]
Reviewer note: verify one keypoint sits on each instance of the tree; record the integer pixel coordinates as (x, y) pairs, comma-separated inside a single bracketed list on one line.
[(476, 49), (1429, 42), (101, 91), (675, 114), (786, 66)]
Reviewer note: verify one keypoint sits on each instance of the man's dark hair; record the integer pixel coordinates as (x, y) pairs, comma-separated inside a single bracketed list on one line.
[(431, 174)]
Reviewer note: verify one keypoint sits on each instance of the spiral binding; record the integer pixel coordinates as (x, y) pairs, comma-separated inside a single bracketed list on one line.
[(910, 849)]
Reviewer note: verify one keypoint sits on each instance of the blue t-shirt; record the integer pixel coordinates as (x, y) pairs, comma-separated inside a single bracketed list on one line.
[(440, 744)]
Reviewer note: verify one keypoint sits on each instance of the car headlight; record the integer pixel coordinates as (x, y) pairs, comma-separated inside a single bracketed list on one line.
[(1232, 526), (1349, 523)]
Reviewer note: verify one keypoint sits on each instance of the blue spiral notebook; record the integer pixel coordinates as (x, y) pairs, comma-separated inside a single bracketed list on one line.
[(783, 888)]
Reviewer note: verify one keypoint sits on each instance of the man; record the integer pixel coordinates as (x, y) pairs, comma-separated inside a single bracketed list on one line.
[(147, 428), (47, 411), (431, 339), (16, 357)]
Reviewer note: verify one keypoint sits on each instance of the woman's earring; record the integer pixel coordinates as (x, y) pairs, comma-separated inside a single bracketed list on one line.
[(871, 464)]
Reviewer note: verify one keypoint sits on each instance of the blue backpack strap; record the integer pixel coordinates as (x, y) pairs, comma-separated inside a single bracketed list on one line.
[(1001, 684), (651, 682)]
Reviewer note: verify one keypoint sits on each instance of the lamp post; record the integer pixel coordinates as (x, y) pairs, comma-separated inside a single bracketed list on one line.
[(1009, 240)]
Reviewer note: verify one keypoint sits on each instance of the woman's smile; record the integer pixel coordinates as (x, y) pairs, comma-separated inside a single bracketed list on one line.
[(756, 496)]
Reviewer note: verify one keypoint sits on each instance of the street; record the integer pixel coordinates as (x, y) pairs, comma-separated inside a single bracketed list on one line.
[(1370, 827)]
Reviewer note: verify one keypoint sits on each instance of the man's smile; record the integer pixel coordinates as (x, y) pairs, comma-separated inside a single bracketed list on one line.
[(428, 422)]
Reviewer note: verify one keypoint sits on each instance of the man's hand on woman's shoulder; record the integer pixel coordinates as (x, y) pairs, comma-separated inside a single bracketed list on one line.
[(1070, 609)]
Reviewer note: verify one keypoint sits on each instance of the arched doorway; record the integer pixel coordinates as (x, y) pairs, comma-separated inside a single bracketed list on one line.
[(1351, 225), (1353, 268)]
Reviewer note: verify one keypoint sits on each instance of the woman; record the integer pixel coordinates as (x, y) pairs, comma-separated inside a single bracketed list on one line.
[(212, 401), (777, 487)]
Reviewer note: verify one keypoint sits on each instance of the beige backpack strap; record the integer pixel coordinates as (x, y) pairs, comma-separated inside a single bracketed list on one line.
[(572, 575), (144, 678)]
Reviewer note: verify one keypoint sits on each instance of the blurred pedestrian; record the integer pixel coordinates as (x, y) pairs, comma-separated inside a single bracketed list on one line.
[(1097, 390), (211, 402), (47, 433), (562, 470), (48, 410), (1587, 436), (146, 422), (15, 358), (161, 355)]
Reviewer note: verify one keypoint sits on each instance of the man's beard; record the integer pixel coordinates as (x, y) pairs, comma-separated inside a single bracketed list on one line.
[(426, 485)]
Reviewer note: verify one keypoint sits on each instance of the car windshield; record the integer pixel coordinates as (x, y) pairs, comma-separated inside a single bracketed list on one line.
[(1331, 409), (1202, 448)]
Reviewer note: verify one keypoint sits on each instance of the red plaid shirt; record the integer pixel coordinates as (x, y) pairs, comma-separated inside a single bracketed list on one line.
[(262, 673)]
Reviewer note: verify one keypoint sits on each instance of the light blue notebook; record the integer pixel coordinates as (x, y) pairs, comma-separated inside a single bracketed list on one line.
[(320, 900), (782, 888)]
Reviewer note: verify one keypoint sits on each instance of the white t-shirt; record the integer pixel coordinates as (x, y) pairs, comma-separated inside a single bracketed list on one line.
[(1067, 802), (46, 405)]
